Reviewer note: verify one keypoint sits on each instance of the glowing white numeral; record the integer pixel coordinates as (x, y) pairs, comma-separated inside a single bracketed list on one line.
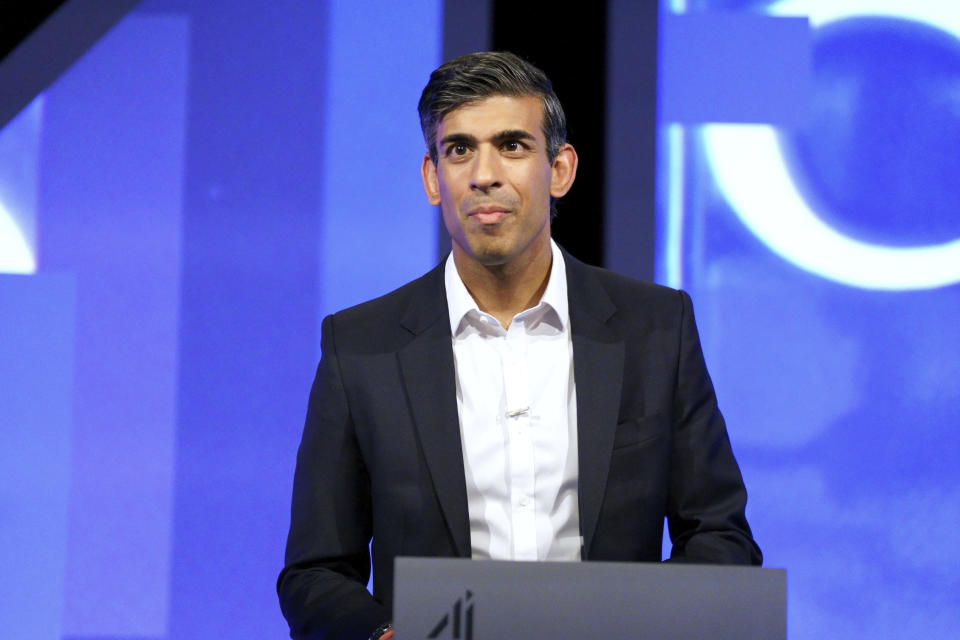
[(751, 172)]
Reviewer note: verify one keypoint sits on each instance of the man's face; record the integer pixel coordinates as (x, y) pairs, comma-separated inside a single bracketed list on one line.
[(493, 181)]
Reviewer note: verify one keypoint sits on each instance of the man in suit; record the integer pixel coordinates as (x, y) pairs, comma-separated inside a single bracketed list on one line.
[(513, 403)]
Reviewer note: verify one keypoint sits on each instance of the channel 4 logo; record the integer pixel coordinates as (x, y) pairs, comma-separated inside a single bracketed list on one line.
[(458, 622)]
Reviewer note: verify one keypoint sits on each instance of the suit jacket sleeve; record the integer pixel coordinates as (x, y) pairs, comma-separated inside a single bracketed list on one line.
[(322, 588), (707, 498)]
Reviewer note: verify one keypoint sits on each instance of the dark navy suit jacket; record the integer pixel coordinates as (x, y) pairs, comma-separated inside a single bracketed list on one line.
[(381, 455)]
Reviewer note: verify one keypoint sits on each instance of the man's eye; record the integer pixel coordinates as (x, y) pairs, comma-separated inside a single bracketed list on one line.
[(458, 149), (514, 147)]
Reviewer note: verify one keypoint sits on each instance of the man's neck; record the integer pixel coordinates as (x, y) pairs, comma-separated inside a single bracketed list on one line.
[(504, 290)]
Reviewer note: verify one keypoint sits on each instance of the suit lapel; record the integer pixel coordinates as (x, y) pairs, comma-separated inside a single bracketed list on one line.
[(428, 374), (598, 354)]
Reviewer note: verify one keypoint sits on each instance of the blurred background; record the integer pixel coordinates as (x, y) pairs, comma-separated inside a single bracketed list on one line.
[(188, 186)]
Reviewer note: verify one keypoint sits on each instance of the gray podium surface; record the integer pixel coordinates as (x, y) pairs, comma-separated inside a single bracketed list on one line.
[(480, 600)]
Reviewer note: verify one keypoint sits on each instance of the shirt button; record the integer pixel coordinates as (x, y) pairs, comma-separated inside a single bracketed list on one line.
[(523, 502)]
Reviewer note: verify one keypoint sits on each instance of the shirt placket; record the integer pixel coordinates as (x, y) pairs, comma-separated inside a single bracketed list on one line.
[(513, 357)]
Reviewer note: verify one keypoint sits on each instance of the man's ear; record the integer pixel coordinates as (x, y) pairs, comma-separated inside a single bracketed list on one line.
[(428, 171), (563, 171)]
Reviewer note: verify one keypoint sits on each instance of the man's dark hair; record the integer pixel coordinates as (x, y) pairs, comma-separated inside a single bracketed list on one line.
[(477, 76)]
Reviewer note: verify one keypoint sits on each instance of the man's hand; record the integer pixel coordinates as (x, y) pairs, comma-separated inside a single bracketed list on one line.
[(383, 632)]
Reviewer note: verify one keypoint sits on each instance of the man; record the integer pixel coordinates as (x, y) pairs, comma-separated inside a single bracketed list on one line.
[(513, 403)]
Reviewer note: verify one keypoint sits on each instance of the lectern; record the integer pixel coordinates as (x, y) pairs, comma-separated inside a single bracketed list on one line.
[(441, 598)]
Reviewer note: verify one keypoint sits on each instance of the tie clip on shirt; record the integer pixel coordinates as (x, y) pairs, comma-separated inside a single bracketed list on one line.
[(516, 401)]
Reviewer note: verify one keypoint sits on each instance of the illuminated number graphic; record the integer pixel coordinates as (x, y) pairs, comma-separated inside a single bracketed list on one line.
[(15, 254), (748, 164)]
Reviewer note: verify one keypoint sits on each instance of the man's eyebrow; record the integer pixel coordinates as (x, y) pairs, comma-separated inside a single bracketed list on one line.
[(497, 138), (513, 134), (458, 138)]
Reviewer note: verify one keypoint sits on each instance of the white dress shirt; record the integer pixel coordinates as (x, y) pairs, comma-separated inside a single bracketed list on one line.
[(518, 423)]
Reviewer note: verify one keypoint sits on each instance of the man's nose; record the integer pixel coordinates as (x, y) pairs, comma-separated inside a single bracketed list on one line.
[(486, 169)]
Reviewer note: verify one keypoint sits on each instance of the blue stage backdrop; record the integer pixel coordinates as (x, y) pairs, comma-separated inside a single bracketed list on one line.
[(177, 213), (808, 201), (181, 208)]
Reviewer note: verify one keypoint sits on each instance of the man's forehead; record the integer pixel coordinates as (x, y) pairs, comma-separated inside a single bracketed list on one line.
[(494, 114)]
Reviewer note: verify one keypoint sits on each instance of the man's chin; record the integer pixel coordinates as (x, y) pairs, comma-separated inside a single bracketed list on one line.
[(492, 257), (495, 252), (487, 254)]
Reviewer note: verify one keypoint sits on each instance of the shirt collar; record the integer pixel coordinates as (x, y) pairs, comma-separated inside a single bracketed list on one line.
[(460, 303)]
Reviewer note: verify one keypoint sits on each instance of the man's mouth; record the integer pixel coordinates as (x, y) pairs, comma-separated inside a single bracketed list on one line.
[(488, 214)]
